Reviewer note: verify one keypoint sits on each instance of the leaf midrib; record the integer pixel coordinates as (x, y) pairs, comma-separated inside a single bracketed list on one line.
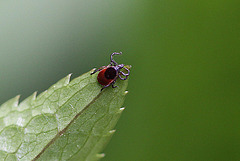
[(68, 125)]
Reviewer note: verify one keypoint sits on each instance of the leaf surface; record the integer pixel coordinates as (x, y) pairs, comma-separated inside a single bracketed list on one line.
[(69, 121)]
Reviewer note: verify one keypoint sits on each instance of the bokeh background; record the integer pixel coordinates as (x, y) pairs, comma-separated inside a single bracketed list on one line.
[(184, 89)]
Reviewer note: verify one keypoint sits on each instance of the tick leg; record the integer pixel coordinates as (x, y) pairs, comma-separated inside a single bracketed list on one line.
[(96, 70), (113, 62), (127, 71), (122, 77), (110, 84), (113, 84), (124, 74), (105, 86)]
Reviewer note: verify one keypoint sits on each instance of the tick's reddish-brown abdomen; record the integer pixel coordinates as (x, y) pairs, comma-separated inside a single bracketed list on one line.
[(102, 79)]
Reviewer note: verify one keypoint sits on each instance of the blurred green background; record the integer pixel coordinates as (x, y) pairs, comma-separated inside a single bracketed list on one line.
[(184, 90)]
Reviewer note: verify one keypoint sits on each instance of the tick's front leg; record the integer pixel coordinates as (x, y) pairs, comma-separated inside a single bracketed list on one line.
[(96, 70)]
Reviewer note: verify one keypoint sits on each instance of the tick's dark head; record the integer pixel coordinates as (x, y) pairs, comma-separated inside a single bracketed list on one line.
[(110, 73)]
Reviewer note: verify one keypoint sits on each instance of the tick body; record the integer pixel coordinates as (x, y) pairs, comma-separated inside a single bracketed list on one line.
[(109, 74)]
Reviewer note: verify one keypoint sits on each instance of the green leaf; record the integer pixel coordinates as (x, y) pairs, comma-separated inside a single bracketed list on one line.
[(69, 121)]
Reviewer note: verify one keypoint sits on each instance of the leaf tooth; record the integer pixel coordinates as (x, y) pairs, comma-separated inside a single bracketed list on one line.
[(109, 134), (121, 109), (15, 102), (67, 79), (42, 94), (63, 82), (25, 104), (101, 155), (112, 132), (34, 95)]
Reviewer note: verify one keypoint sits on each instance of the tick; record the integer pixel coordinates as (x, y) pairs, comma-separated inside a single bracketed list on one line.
[(109, 74)]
